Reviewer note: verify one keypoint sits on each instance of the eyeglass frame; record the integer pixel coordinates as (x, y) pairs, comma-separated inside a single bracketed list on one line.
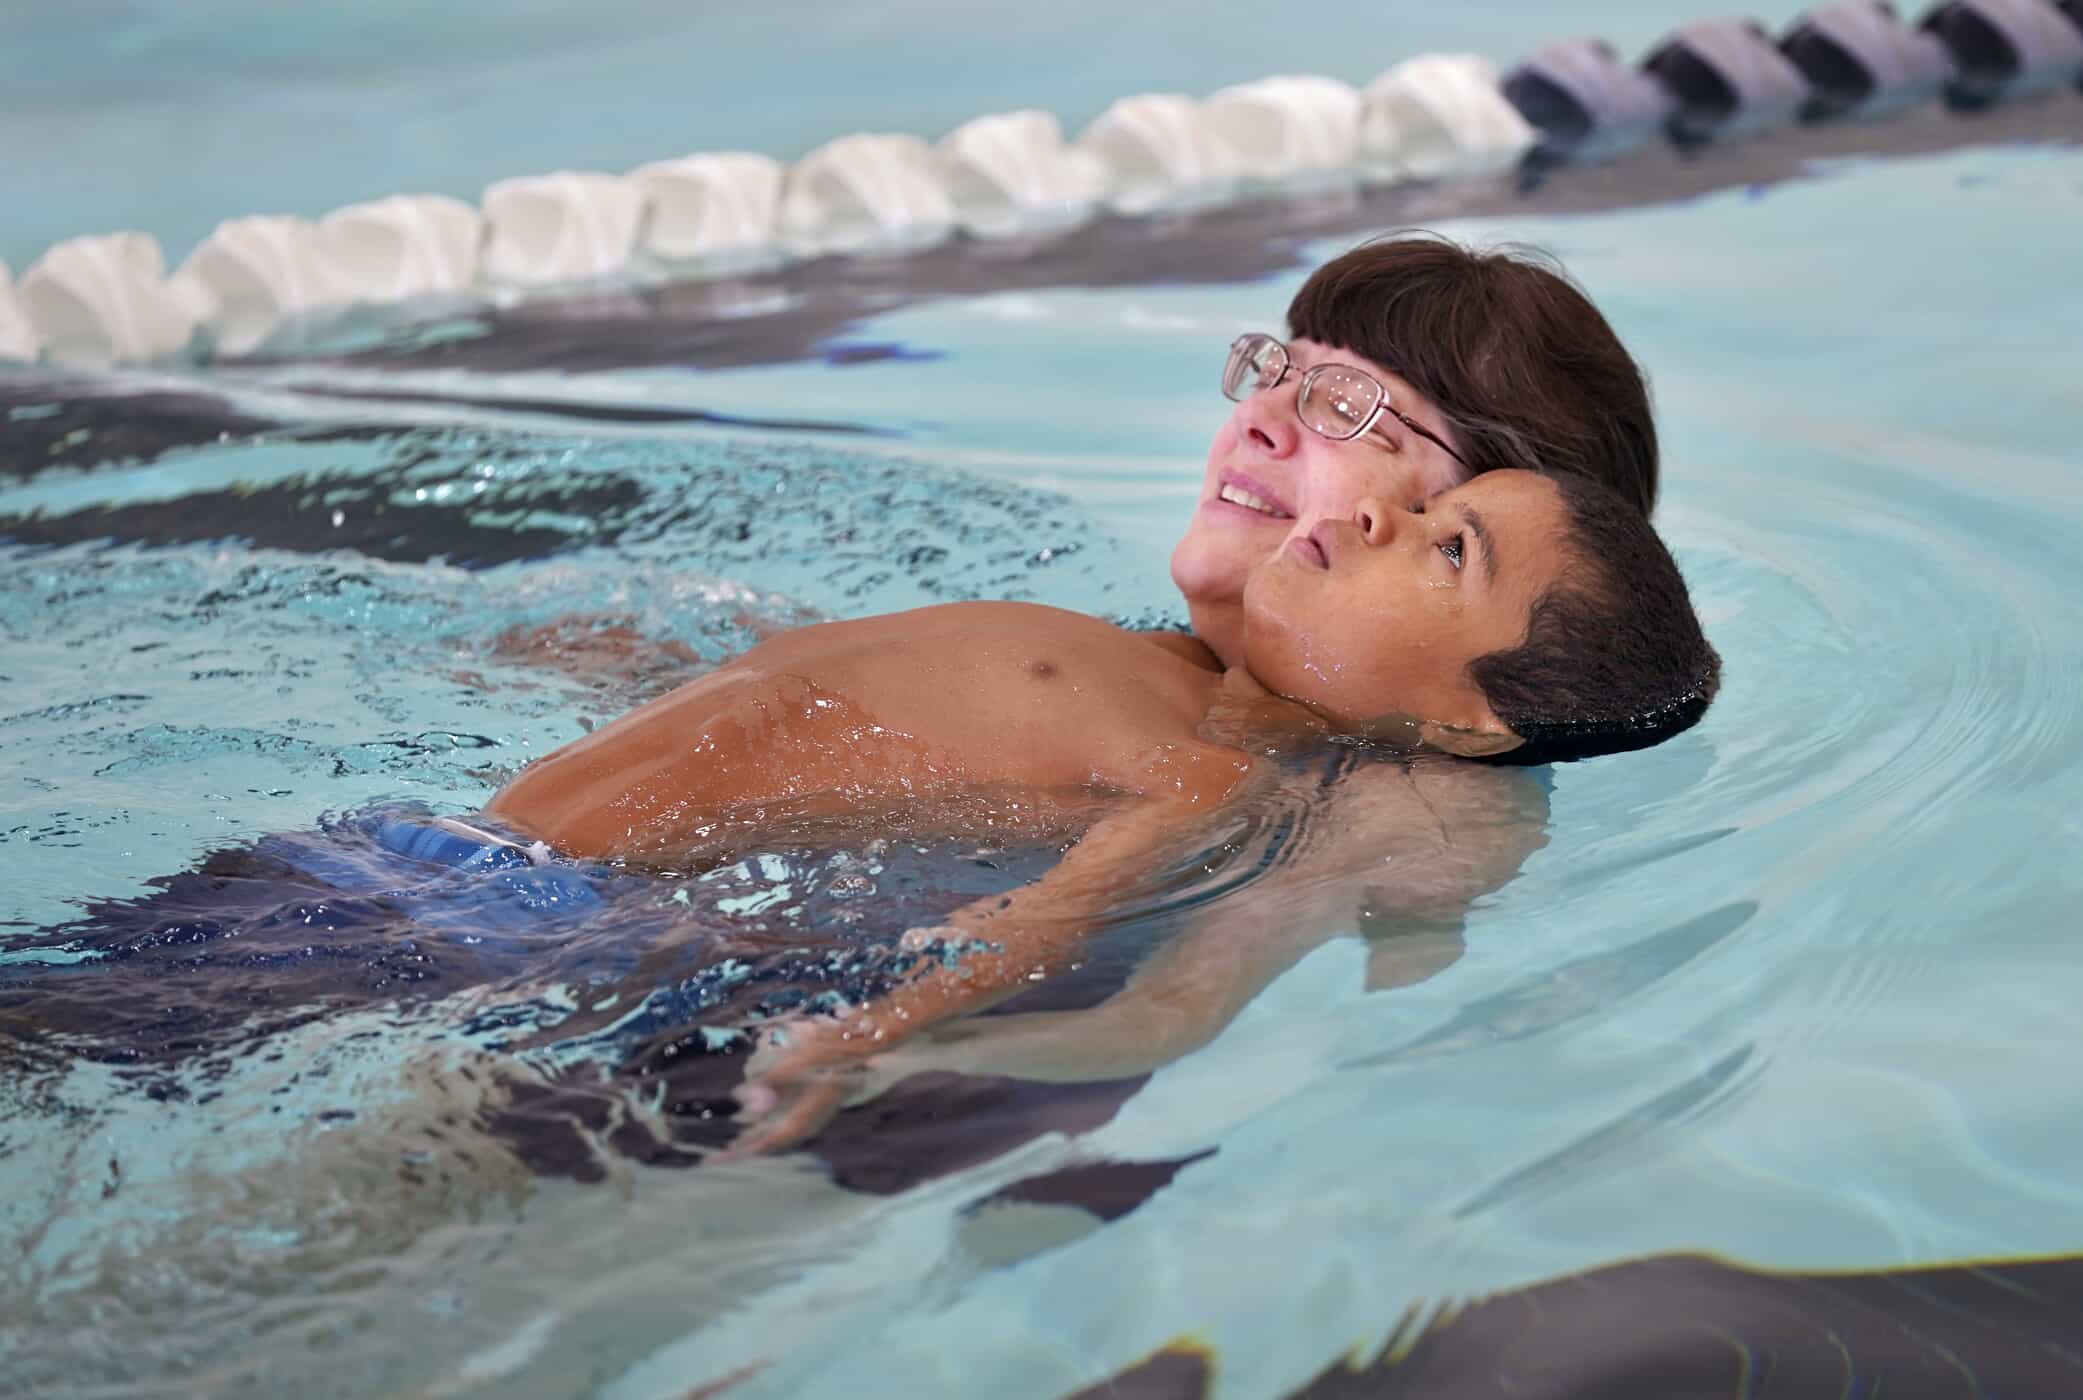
[(1309, 376)]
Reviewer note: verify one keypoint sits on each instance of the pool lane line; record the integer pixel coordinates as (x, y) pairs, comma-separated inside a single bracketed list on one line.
[(703, 325), (697, 326)]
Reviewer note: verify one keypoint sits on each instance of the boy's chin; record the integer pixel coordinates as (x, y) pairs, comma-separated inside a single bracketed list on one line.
[(1406, 732), (1468, 743)]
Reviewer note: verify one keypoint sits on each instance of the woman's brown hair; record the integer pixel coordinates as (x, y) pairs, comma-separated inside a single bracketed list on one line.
[(1523, 366)]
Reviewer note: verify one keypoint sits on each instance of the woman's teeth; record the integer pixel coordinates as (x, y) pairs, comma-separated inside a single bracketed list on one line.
[(1238, 496)]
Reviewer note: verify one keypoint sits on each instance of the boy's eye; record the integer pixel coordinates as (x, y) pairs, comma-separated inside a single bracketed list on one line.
[(1451, 548)]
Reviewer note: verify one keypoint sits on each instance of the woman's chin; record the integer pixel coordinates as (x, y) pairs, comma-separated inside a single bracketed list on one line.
[(1217, 554)]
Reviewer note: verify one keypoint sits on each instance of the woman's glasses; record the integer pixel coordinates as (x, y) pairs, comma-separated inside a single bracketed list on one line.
[(1338, 401)]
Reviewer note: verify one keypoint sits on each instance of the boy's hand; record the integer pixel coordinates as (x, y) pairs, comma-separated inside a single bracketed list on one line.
[(805, 1070)]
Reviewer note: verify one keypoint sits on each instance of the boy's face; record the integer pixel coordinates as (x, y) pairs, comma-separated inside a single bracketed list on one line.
[(1378, 615), (1299, 479)]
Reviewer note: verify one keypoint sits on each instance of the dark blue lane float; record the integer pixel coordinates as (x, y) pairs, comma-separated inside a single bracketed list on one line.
[(1689, 1327), (1585, 101), (1861, 60), (1722, 79), (1726, 78), (2007, 49)]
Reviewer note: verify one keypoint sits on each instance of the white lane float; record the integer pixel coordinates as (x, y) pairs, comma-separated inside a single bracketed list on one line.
[(1011, 173), (104, 299), (1159, 151), (566, 227), (708, 206), (1440, 116), (18, 339), (1282, 129), (251, 273), (406, 246), (872, 194)]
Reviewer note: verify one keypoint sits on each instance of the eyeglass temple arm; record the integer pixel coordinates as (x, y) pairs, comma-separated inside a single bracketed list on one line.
[(1422, 431)]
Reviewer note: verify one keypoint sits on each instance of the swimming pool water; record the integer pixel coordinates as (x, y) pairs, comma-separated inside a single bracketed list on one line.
[(1797, 987)]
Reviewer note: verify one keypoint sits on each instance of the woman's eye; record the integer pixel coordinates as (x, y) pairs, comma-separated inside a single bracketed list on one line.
[(1451, 548)]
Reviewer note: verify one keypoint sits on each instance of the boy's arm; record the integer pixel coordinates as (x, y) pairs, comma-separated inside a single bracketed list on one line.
[(605, 651), (808, 1067), (1412, 849), (615, 653)]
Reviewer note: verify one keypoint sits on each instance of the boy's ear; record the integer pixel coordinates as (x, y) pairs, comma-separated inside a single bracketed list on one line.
[(1485, 739)]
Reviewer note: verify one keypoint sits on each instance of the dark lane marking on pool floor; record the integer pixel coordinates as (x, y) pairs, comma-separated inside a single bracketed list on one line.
[(1107, 1190), (1692, 1327), (594, 412), (311, 515), (97, 423), (75, 421)]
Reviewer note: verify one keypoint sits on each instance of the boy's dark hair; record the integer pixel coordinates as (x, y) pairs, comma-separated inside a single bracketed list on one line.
[(1613, 658), (1518, 359)]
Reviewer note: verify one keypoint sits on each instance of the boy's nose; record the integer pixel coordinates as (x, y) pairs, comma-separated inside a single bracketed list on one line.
[(1376, 519)]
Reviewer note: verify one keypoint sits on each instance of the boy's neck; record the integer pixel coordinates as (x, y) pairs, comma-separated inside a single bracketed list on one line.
[(1244, 714)]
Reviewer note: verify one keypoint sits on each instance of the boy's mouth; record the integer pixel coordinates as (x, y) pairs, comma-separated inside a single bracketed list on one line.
[(1311, 549)]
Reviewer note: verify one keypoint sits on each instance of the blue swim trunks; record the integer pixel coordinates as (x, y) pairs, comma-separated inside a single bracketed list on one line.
[(396, 904)]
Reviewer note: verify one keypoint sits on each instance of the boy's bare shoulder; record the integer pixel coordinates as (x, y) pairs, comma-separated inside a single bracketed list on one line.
[(1453, 801), (1442, 830)]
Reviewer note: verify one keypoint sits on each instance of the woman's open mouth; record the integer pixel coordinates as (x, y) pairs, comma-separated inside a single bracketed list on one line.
[(1251, 496)]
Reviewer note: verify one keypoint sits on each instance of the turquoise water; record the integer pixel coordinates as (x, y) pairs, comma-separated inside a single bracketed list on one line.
[(1797, 987)]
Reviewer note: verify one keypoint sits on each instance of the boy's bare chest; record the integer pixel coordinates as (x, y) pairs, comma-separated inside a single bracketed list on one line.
[(919, 717), (1020, 705)]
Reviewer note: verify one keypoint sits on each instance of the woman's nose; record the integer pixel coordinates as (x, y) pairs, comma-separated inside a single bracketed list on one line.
[(1376, 519), (1266, 420)]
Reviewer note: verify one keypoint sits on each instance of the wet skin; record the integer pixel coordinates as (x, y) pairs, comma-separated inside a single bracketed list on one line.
[(1373, 616), (899, 714), (1293, 480), (1396, 602), (914, 715)]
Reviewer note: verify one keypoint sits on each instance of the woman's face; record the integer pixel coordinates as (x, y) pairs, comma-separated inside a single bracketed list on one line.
[(1270, 480)]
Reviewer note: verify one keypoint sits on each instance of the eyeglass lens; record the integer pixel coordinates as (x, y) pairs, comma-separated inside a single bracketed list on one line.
[(1337, 402), (1255, 362)]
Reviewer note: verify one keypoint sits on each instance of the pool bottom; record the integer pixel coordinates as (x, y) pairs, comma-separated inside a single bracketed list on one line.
[(1683, 1326)]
